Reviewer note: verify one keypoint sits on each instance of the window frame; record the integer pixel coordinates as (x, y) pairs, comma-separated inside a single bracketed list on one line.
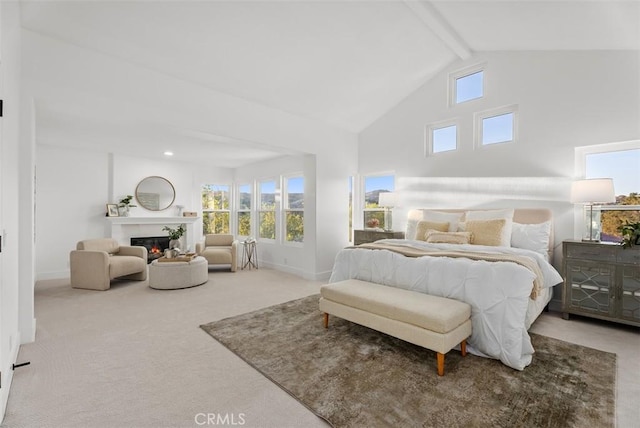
[(479, 117), (462, 73), (228, 210), (363, 193), (239, 210), (259, 210), (285, 209), (581, 212), (429, 133)]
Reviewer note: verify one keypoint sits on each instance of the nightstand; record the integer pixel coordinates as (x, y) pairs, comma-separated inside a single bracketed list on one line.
[(601, 280), (370, 235)]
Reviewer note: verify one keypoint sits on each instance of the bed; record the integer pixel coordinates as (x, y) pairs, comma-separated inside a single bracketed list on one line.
[(499, 264)]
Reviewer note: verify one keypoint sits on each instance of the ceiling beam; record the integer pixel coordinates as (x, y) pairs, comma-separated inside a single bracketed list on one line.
[(440, 27)]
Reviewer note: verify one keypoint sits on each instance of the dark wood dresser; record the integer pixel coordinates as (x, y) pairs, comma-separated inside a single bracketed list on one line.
[(601, 280), (370, 235)]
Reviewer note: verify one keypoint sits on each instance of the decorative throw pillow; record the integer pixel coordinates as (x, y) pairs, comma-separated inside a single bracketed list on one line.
[(432, 216), (506, 214), (424, 226), (435, 236), (486, 232), (533, 237)]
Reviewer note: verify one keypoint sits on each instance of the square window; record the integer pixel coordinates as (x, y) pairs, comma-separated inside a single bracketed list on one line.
[(444, 139), (495, 126), (497, 129), (469, 87)]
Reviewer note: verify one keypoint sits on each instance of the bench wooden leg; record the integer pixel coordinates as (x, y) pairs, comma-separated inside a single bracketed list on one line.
[(326, 320), (463, 347), (440, 364)]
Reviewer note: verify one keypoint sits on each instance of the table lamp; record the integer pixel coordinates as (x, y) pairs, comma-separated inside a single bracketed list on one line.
[(387, 200), (590, 192)]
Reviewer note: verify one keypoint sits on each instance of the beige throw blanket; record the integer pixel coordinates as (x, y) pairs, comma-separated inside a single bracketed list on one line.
[(409, 251)]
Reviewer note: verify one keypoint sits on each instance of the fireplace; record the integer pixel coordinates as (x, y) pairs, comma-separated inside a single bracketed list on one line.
[(155, 245)]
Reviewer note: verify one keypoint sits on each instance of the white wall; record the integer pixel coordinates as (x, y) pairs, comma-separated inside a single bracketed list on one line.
[(74, 186), (564, 99), (71, 193), (12, 287)]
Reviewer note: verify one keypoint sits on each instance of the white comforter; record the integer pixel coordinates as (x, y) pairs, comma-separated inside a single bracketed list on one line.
[(498, 292)]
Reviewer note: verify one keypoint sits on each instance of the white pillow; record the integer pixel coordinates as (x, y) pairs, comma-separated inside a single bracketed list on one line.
[(443, 217), (507, 214), (533, 237)]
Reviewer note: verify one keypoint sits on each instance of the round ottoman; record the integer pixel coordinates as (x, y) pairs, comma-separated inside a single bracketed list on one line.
[(173, 275)]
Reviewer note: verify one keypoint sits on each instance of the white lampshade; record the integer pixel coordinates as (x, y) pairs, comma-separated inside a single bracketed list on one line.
[(592, 191), (386, 199)]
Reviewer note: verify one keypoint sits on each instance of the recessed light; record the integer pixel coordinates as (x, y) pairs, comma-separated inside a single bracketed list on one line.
[(168, 153)]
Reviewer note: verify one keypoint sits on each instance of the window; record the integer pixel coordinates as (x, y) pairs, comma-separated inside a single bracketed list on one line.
[(215, 208), (351, 181), (294, 209), (496, 126), (373, 213), (267, 210), (620, 163), (442, 137), (244, 209), (466, 85)]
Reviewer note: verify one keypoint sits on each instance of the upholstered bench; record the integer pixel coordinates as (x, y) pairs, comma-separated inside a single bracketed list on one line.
[(435, 323), (174, 275)]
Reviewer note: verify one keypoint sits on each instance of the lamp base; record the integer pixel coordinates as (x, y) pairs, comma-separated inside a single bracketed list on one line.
[(590, 240)]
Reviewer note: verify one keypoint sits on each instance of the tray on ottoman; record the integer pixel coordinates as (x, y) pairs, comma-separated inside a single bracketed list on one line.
[(181, 258)]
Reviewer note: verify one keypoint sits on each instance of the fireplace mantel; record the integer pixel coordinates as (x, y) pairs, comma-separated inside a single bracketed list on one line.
[(123, 229), (152, 220)]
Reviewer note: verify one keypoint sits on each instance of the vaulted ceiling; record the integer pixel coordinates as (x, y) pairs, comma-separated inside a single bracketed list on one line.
[(342, 63)]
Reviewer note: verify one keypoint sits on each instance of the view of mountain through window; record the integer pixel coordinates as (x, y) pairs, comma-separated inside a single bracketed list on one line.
[(373, 186), (623, 167)]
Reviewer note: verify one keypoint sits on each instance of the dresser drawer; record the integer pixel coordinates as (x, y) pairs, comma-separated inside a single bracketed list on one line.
[(587, 252)]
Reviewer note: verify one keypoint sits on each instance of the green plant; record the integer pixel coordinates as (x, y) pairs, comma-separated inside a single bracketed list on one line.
[(630, 234), (126, 202), (175, 233)]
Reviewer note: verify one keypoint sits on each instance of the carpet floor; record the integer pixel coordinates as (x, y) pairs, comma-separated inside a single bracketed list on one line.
[(353, 376)]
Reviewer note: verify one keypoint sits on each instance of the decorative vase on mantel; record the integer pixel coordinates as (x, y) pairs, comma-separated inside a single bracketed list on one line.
[(124, 205), (174, 243), (175, 235)]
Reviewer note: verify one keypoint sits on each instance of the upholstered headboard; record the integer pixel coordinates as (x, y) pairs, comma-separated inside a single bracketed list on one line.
[(520, 215)]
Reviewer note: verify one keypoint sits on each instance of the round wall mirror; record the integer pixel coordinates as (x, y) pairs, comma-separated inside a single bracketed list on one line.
[(155, 193)]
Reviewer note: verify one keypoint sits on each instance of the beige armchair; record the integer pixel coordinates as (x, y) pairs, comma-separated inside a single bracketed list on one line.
[(95, 262), (219, 249)]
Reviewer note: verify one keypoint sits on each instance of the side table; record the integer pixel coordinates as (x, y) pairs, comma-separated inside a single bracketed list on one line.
[(249, 254)]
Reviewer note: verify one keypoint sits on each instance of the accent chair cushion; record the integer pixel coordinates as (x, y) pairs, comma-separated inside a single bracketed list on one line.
[(107, 245), (218, 240)]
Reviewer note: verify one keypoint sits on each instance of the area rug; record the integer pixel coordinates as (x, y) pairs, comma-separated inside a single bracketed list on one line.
[(353, 376)]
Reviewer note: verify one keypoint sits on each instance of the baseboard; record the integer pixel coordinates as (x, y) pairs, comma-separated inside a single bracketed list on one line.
[(283, 268), (322, 276), (42, 276)]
